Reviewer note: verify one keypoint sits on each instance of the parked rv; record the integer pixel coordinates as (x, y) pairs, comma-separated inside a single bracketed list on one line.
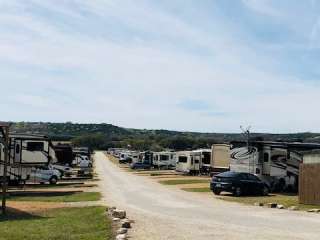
[(26, 152), (204, 156), (188, 162), (133, 156), (276, 163), (124, 157), (146, 157), (164, 160)]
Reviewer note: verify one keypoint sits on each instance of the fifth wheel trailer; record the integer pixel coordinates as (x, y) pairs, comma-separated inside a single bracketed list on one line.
[(188, 162), (26, 154), (164, 160), (277, 163)]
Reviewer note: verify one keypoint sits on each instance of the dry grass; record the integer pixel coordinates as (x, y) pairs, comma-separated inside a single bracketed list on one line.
[(286, 200)]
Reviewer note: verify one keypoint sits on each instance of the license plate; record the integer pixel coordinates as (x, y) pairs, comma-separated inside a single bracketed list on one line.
[(218, 185)]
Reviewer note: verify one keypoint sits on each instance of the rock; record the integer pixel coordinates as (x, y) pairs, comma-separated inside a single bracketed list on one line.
[(119, 213), (293, 208), (272, 205), (115, 219), (122, 230), (258, 204), (121, 236), (315, 210), (280, 206), (126, 223)]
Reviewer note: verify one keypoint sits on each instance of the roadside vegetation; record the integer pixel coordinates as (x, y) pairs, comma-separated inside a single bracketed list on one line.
[(39, 214), (103, 136), (203, 189), (59, 197), (87, 223)]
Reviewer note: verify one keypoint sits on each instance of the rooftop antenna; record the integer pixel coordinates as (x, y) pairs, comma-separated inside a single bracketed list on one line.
[(246, 133)]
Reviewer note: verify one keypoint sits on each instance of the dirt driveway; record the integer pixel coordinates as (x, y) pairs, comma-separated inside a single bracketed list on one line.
[(162, 212)]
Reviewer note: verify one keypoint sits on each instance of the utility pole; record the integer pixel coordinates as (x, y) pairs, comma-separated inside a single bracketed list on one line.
[(5, 136), (246, 133)]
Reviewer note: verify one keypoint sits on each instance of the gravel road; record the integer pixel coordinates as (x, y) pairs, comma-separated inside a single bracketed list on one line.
[(161, 212)]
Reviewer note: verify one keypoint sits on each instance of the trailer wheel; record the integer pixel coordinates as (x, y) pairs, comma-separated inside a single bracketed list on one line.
[(53, 180), (238, 192)]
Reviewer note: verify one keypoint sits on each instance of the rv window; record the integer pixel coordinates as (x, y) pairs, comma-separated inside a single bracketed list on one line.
[(17, 148), (183, 159), (196, 161), (164, 157), (266, 157), (35, 146)]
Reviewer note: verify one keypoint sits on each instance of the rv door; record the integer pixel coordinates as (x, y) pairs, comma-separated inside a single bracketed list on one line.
[(17, 151), (196, 162)]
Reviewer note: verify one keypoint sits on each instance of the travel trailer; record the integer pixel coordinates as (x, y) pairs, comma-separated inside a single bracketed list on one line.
[(205, 160), (276, 163), (124, 157), (188, 162), (220, 157), (164, 160), (26, 154), (146, 157), (134, 156)]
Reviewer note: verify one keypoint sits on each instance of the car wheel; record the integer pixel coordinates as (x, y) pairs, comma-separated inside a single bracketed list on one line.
[(217, 192), (53, 180), (238, 192), (265, 191)]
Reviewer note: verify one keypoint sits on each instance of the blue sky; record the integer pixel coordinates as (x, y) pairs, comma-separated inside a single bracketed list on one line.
[(209, 65)]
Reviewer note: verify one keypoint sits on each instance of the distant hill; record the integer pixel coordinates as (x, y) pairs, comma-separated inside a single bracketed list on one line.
[(107, 135)]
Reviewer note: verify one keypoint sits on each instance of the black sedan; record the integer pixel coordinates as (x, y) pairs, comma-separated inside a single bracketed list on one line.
[(238, 184)]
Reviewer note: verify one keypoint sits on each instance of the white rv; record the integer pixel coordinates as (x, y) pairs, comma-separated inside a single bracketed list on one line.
[(188, 162), (134, 156), (275, 163), (27, 153), (164, 160), (205, 160)]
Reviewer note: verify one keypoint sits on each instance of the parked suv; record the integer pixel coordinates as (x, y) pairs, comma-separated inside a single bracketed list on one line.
[(238, 184)]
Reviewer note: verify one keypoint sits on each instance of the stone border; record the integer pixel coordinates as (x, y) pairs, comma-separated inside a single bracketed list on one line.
[(119, 218), (280, 206)]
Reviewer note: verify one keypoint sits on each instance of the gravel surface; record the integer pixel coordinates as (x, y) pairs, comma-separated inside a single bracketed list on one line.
[(161, 212)]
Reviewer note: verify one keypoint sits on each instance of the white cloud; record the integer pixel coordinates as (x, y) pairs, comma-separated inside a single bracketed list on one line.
[(140, 83)]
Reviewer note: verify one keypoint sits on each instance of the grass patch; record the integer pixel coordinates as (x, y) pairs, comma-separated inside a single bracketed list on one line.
[(61, 197), (183, 181), (284, 199), (87, 223), (204, 189)]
